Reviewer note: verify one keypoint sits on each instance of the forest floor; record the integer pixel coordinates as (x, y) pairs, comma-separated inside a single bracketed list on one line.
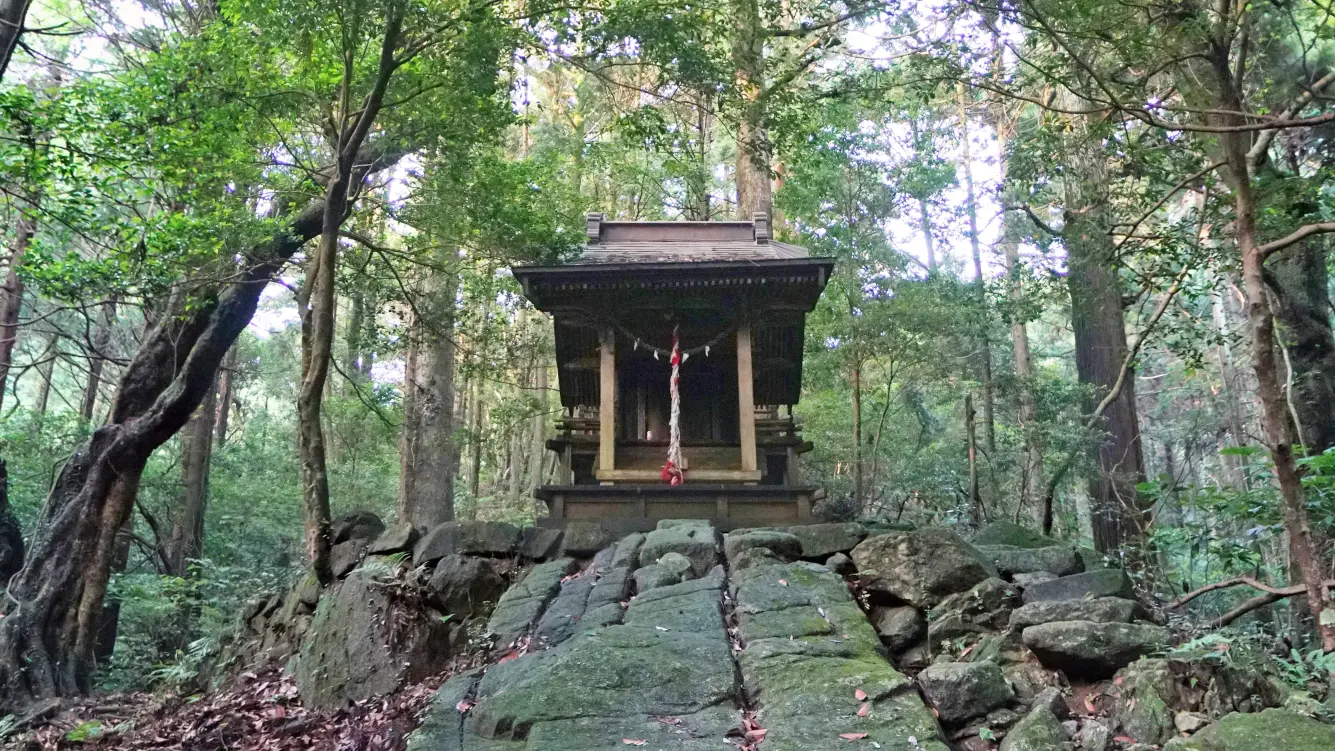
[(256, 712)]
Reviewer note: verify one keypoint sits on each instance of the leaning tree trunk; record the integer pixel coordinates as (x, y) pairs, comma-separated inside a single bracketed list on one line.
[(1117, 510), (187, 535), (46, 638), (97, 358)]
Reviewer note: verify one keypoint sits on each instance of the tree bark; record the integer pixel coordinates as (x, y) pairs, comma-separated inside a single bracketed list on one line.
[(11, 295), (187, 536), (1117, 510), (1298, 277), (856, 379), (12, 15), (226, 386), (97, 358), (980, 287), (46, 369), (537, 450), (431, 461), (754, 190), (45, 646), (1261, 323)]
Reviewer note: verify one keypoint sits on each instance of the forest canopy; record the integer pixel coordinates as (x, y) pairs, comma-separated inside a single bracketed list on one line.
[(257, 276)]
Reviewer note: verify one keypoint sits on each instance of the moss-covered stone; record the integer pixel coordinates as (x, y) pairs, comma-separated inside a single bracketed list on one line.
[(1040, 730), (1093, 650), (963, 690), (694, 539), (1271, 729), (1010, 533), (782, 544), (1013, 559), (1089, 585), (1099, 610), (523, 603), (920, 568)]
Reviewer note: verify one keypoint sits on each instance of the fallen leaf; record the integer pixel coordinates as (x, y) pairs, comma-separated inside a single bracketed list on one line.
[(860, 695), (1124, 739), (1089, 704), (967, 650), (464, 706), (757, 735), (783, 582), (864, 709), (633, 742), (852, 736)]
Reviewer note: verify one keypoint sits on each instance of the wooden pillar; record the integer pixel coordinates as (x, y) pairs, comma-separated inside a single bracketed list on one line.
[(607, 390), (746, 403)]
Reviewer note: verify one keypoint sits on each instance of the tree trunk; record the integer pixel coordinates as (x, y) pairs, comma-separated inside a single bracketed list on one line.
[(1117, 511), (1261, 324), (537, 449), (187, 536), (856, 379), (1298, 277), (11, 301), (97, 358), (475, 471), (1032, 481), (971, 440), (754, 191), (980, 287), (12, 15), (46, 369), (226, 386), (316, 303), (45, 647), (430, 463)]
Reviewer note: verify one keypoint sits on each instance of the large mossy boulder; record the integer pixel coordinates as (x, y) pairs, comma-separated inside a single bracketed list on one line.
[(1012, 534), (368, 638), (1151, 693), (820, 541), (963, 690), (467, 538), (465, 586), (921, 567), (524, 602), (696, 540), (1099, 610), (1094, 650), (1086, 586), (1269, 730), (784, 546), (1010, 560), (358, 525)]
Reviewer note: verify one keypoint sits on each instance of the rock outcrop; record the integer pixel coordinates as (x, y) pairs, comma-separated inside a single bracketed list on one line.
[(920, 568)]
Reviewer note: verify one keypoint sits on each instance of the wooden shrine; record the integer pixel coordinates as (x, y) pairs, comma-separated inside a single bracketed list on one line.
[(737, 302)]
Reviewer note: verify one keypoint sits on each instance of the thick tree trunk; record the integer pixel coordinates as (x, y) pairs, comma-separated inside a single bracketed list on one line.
[(1299, 276), (72, 544), (12, 15), (11, 296), (754, 190), (97, 358), (1117, 510), (187, 536), (431, 461)]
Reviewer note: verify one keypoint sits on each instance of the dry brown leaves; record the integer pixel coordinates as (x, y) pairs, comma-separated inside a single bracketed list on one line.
[(259, 712)]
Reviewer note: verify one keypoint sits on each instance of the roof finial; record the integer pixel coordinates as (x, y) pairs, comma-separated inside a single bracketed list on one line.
[(593, 225), (761, 221)]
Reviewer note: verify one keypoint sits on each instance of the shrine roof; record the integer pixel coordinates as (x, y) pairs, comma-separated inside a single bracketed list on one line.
[(616, 243)]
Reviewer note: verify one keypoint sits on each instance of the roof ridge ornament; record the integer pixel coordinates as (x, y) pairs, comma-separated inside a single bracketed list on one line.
[(761, 221), (593, 226)]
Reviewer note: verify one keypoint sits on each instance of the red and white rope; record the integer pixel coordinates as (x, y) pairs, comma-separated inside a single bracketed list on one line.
[(672, 471)]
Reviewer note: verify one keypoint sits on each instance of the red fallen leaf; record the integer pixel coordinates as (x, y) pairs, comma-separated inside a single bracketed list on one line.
[(864, 709), (852, 736), (860, 695), (511, 655), (464, 706), (967, 650), (1124, 739), (757, 735), (1118, 680), (1089, 704), (633, 742), (669, 720), (783, 582)]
